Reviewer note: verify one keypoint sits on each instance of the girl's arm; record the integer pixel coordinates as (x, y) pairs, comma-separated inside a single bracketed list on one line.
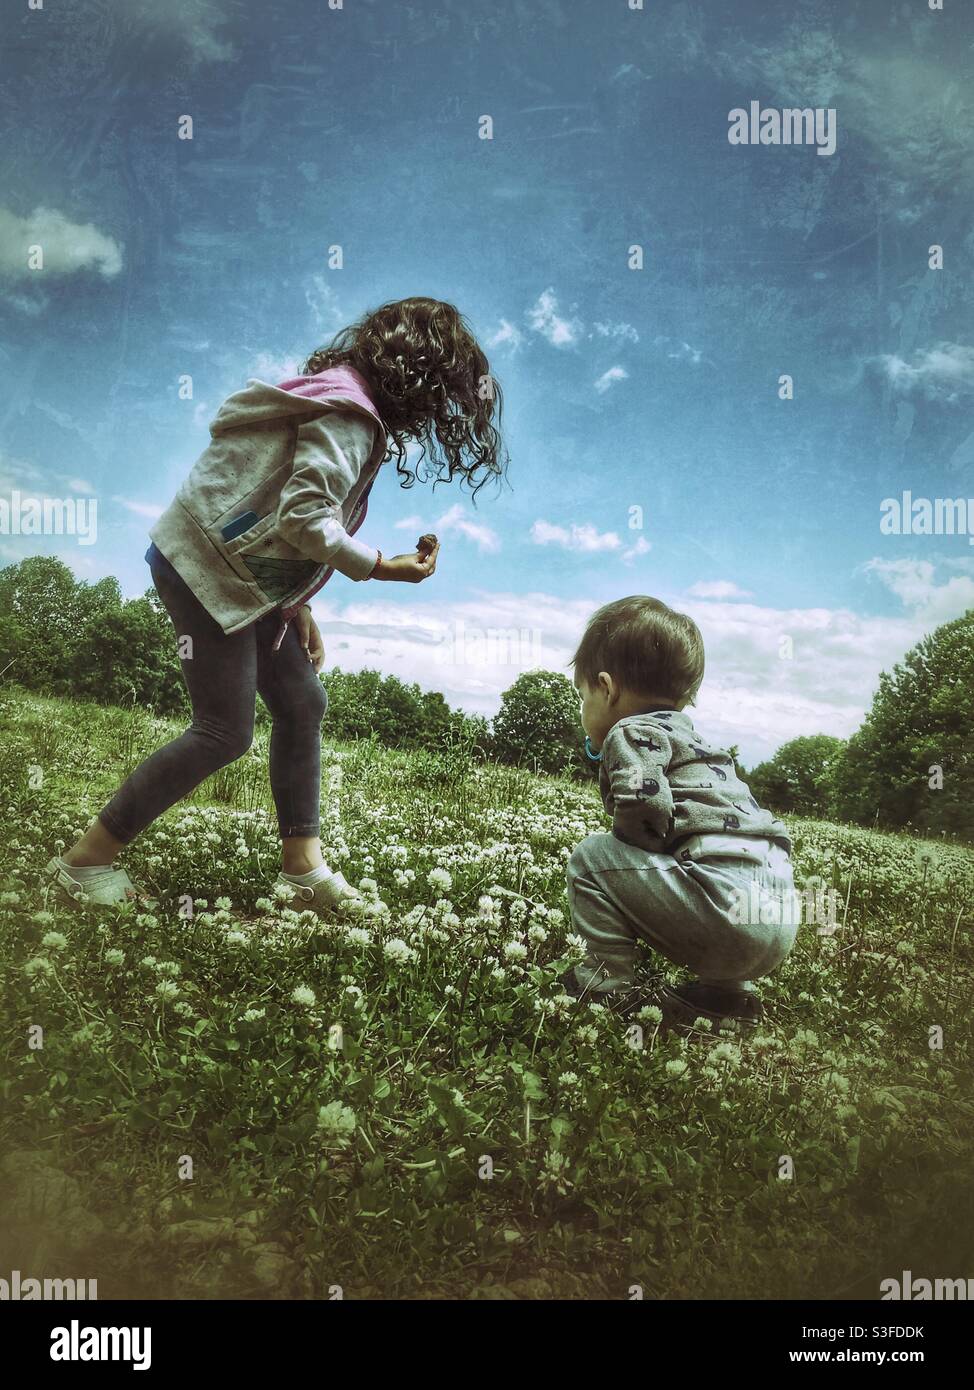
[(330, 454)]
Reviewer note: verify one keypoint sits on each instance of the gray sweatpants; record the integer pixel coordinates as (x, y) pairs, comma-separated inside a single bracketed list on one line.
[(729, 921)]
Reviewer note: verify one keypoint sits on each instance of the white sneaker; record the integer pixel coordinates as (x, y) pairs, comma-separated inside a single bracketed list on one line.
[(330, 893), (105, 889)]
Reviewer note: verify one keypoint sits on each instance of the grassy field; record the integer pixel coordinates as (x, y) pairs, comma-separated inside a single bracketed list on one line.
[(231, 1099)]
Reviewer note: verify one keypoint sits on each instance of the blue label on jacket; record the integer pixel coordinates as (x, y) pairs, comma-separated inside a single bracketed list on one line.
[(238, 525)]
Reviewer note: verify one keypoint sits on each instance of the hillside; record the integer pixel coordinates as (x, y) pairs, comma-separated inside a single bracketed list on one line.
[(402, 1109)]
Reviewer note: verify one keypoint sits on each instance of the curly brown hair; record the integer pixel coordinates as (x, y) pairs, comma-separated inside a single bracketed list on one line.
[(430, 382)]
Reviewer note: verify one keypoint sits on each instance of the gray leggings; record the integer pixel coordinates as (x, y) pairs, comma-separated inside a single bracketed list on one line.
[(223, 677)]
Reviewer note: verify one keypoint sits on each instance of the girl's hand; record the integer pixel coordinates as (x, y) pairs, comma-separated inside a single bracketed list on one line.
[(409, 569), (310, 637)]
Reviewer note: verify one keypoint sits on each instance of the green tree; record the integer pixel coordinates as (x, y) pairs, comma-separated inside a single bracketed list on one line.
[(127, 655), (538, 726), (912, 762), (799, 778)]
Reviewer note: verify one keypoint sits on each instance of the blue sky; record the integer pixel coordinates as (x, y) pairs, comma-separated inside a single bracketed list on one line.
[(653, 388)]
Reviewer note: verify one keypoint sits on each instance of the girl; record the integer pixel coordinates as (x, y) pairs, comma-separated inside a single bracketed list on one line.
[(265, 517)]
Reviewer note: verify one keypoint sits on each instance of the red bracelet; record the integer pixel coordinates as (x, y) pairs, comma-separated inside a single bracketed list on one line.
[(371, 573)]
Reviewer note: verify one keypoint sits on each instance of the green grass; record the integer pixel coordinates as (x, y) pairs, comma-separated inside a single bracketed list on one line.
[(409, 1109)]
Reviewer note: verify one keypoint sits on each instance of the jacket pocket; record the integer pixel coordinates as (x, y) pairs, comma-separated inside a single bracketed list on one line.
[(253, 534), (261, 558)]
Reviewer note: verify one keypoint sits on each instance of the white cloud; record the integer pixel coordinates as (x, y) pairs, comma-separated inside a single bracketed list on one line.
[(457, 521), (944, 372), (679, 351), (913, 582), (408, 523), (145, 509), (717, 588), (67, 247), (617, 330), (268, 367), (607, 378), (508, 335), (641, 547), (544, 318), (328, 314), (751, 695), (585, 538), (195, 23)]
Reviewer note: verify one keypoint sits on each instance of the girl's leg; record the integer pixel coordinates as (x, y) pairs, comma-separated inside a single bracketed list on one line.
[(297, 702), (220, 672)]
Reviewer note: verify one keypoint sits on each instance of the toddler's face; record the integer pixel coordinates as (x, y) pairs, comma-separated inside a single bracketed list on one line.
[(595, 711)]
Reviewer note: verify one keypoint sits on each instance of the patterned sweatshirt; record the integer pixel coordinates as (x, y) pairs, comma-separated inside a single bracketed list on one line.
[(660, 782)]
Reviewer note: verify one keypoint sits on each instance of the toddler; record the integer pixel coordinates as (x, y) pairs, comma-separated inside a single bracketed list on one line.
[(693, 865)]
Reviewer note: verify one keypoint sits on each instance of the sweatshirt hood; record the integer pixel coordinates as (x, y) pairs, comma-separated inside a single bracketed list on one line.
[(301, 395)]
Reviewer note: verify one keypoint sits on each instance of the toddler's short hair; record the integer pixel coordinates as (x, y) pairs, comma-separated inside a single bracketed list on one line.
[(645, 646)]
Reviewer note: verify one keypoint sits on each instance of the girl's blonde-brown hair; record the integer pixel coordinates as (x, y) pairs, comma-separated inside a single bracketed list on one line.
[(646, 646)]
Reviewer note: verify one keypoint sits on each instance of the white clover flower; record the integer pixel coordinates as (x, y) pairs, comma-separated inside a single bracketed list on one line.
[(264, 905), (588, 1034), (485, 905), (38, 965), (649, 1013), (166, 989), (515, 950), (223, 904), (282, 892), (568, 1079), (235, 938), (337, 1121), (499, 974), (9, 899), (148, 962), (369, 887), (304, 996), (43, 918), (439, 878), (676, 1066), (252, 1015), (537, 933), (358, 936), (114, 957), (396, 950), (54, 941)]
